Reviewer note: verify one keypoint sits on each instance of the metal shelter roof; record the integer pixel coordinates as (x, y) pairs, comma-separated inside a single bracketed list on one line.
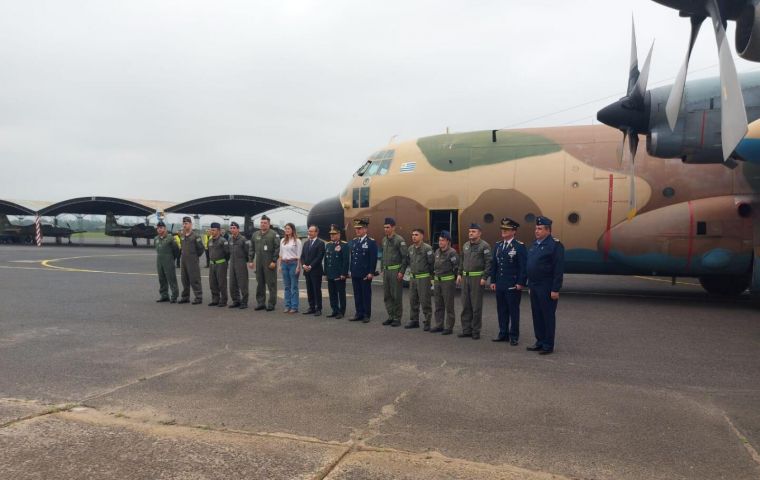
[(232, 205), (9, 208), (98, 206)]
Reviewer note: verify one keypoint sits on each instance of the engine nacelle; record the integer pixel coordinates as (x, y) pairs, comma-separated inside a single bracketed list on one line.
[(748, 32)]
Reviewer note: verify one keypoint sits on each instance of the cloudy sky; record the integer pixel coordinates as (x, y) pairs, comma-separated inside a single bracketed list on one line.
[(173, 100)]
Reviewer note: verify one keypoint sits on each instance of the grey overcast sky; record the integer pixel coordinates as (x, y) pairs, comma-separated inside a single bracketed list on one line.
[(173, 100)]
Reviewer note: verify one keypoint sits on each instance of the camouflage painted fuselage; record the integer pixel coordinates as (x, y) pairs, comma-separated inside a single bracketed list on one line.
[(693, 220)]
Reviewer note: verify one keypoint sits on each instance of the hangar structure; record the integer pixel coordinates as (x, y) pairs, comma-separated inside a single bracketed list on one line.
[(226, 206)]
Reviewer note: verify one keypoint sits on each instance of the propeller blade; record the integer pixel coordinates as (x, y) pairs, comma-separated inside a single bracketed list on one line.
[(640, 87), (633, 144), (676, 93), (633, 70), (622, 148), (733, 116)]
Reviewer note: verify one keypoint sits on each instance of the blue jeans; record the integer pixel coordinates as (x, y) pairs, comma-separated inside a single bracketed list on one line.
[(290, 281)]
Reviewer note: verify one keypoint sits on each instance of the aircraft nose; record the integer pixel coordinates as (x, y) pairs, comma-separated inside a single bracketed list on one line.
[(325, 213)]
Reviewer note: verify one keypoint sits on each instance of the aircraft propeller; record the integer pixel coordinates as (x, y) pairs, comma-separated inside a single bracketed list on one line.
[(733, 113), (630, 114)]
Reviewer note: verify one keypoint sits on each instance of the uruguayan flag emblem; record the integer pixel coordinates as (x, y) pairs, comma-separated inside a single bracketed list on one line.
[(408, 167)]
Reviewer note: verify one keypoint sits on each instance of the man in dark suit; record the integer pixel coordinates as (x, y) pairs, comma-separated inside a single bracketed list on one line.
[(311, 258), (363, 264)]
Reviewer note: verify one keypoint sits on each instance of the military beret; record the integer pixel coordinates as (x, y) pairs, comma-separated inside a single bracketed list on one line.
[(361, 222), (160, 223), (389, 221), (474, 226), (187, 220), (445, 234), (215, 225), (334, 229), (541, 220), (234, 224), (508, 224)]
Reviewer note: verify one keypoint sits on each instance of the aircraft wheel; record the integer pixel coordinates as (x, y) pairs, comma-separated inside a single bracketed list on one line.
[(28, 240), (134, 242), (725, 285)]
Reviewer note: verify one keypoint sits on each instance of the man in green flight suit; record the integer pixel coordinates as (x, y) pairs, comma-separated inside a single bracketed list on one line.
[(218, 255), (474, 269), (421, 262), (265, 250), (240, 251), (394, 265), (166, 251), (191, 250)]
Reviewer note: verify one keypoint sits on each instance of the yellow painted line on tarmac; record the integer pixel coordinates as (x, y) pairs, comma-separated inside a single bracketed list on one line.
[(652, 279), (49, 264)]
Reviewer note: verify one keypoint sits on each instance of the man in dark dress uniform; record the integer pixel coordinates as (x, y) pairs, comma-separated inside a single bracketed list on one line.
[(546, 263), (508, 277), (337, 258), (363, 263)]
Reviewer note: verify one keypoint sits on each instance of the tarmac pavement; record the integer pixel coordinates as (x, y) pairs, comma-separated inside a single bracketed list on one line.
[(648, 380)]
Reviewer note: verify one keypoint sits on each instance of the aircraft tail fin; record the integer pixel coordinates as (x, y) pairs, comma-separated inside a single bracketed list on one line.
[(111, 224)]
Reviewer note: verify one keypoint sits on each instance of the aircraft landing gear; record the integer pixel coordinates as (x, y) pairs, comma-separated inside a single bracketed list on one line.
[(134, 241), (725, 285)]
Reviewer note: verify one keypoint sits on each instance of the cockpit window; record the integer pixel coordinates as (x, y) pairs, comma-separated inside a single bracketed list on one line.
[(379, 163)]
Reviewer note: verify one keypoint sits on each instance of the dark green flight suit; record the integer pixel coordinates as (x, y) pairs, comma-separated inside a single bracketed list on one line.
[(445, 271), (421, 262), (218, 254), (265, 249), (240, 255), (192, 249), (394, 262), (474, 265), (166, 251)]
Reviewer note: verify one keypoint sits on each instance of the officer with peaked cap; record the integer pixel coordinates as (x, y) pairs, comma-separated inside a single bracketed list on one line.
[(191, 250), (445, 268), (508, 277), (362, 270), (474, 268), (337, 258), (166, 252), (393, 265), (546, 263), (218, 255), (240, 251)]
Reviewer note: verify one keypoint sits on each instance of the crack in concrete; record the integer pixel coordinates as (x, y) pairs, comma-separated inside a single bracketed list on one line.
[(745, 442), (49, 411)]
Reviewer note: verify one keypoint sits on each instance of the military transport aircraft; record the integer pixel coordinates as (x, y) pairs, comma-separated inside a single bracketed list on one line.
[(696, 217), (141, 230), (10, 233)]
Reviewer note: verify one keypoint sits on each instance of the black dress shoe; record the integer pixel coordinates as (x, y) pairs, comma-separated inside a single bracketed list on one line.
[(184, 300), (412, 325), (546, 352), (260, 307), (513, 343), (426, 328), (243, 306), (270, 309), (447, 331), (395, 324), (355, 319), (464, 335), (436, 330), (499, 339), (309, 312), (161, 300), (534, 348), (365, 320), (388, 322), (235, 305), (221, 305), (338, 316), (476, 336), (213, 304), (197, 301), (332, 315), (318, 313)]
